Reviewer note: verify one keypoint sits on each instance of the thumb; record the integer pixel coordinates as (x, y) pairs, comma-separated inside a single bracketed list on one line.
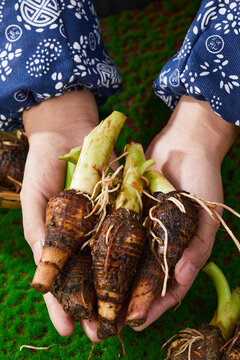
[(34, 203), (33, 210), (36, 190)]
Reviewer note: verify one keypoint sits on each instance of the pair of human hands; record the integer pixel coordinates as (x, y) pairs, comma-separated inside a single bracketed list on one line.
[(188, 151)]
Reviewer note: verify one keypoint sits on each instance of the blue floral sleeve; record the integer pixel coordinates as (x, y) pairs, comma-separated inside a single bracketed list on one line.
[(207, 65), (48, 47)]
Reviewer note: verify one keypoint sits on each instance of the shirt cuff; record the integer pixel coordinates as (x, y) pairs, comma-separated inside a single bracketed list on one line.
[(207, 65), (46, 49)]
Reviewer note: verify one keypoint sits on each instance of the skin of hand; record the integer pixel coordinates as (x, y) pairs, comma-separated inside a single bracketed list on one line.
[(189, 152), (53, 128)]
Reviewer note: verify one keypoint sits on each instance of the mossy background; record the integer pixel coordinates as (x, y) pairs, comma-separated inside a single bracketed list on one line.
[(140, 42)]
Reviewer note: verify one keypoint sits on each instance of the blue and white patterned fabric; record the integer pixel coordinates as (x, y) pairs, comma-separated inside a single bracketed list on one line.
[(207, 65), (48, 47)]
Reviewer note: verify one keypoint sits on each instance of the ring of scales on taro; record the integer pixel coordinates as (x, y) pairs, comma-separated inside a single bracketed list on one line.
[(145, 42)]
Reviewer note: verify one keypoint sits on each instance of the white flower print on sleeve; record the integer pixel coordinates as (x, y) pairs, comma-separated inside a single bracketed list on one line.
[(6, 57), (88, 65), (80, 56), (59, 85), (207, 65), (216, 102), (2, 3), (229, 83), (219, 64), (79, 9), (47, 52), (189, 78), (229, 17), (50, 47)]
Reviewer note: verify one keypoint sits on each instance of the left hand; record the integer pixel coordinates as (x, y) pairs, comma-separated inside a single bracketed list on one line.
[(53, 127)]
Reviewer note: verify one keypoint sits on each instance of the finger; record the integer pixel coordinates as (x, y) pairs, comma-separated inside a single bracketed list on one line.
[(162, 304), (90, 328), (63, 322), (33, 220), (34, 203), (36, 190)]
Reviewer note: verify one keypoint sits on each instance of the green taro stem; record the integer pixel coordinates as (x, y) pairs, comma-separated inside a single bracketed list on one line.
[(96, 152), (71, 159), (158, 183), (135, 167), (72, 156), (70, 168), (227, 313)]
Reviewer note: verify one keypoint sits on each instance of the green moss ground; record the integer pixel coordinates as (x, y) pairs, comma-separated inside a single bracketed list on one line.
[(140, 42)]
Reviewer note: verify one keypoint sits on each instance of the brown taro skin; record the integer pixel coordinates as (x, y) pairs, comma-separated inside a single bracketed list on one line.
[(207, 348), (12, 163), (180, 226), (67, 225), (74, 288), (146, 287), (232, 350), (115, 253)]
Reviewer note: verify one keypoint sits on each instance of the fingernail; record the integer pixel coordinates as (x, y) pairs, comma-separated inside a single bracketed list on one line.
[(187, 274), (37, 251)]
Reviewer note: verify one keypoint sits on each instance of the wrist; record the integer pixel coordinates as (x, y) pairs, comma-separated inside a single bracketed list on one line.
[(201, 129), (67, 116)]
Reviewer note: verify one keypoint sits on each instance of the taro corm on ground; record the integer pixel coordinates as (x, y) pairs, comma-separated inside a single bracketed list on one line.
[(207, 341), (117, 248), (68, 220), (13, 154), (231, 350)]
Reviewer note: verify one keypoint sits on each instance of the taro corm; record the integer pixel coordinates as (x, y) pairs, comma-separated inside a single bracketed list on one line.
[(117, 248)]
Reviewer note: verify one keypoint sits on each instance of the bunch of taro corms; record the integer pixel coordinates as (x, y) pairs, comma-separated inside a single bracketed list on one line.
[(114, 234), (13, 154)]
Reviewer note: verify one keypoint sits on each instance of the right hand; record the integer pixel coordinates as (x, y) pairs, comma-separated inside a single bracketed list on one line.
[(189, 152), (53, 128)]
